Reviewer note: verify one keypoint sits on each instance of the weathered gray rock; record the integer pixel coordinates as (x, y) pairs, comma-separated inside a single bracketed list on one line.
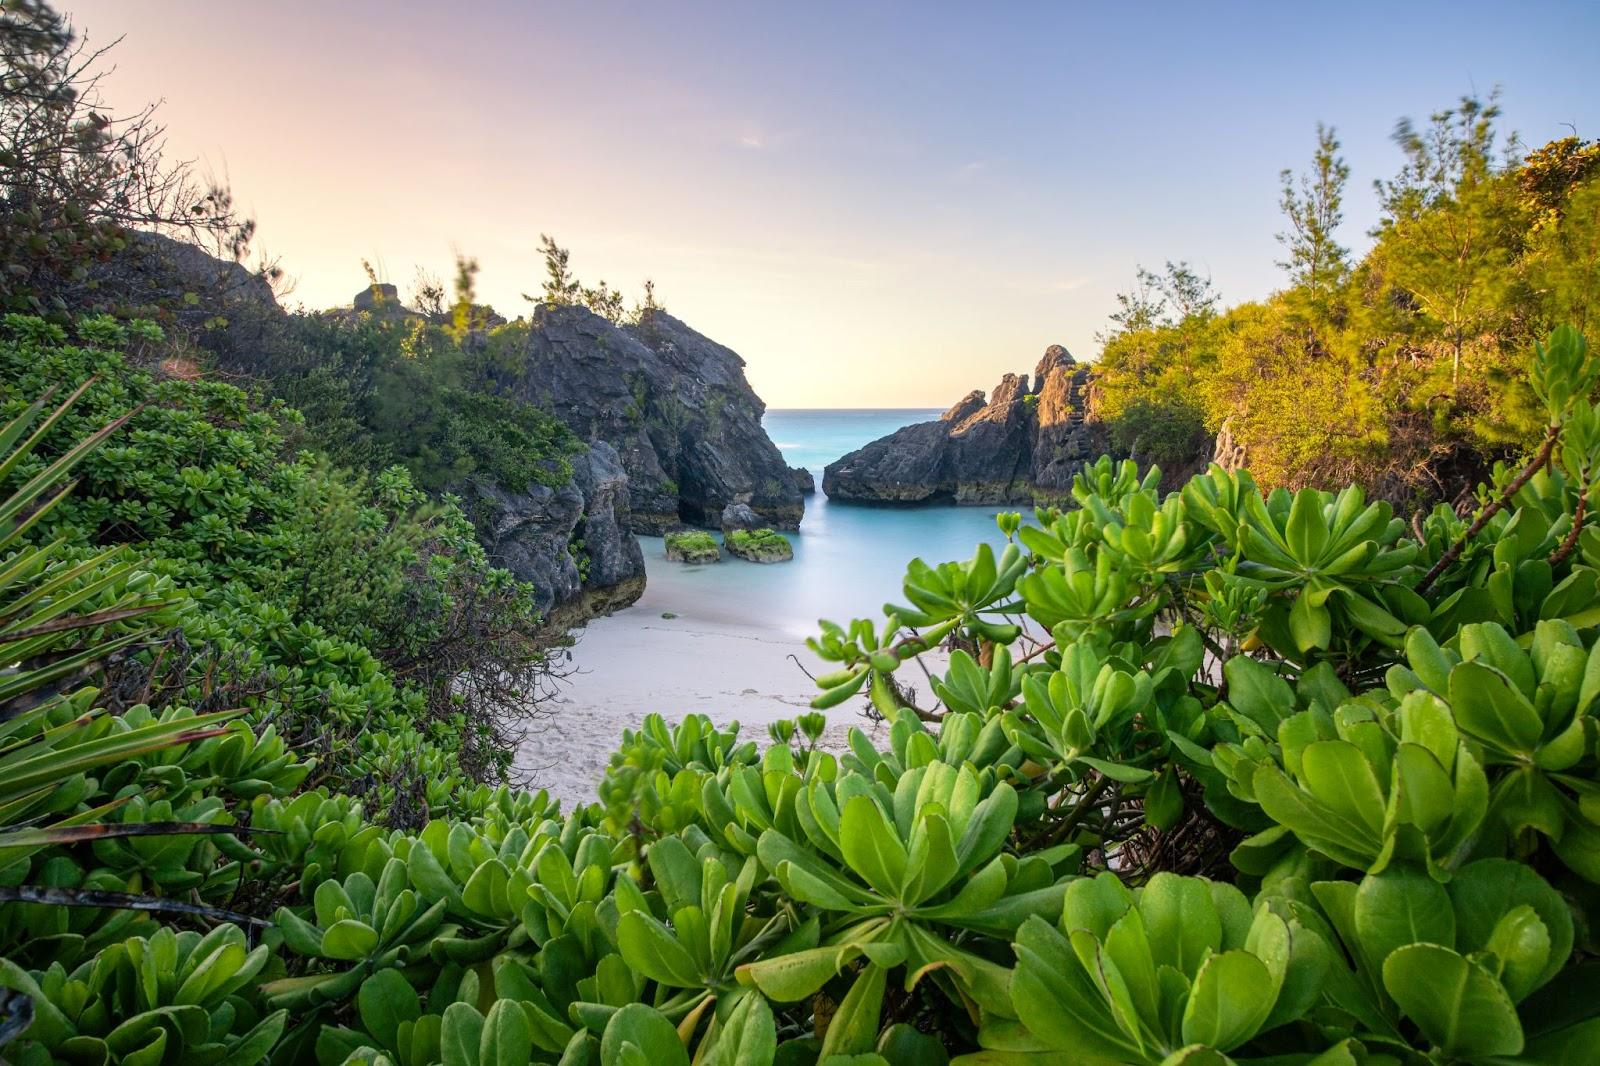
[(155, 269), (381, 295), (1023, 442), (803, 480), (572, 542), (739, 516), (675, 404)]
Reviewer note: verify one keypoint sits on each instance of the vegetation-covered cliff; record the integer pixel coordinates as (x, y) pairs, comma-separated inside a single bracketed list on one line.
[(1399, 370)]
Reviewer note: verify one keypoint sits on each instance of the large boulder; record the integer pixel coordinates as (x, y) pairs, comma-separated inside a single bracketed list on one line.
[(676, 405), (1022, 442)]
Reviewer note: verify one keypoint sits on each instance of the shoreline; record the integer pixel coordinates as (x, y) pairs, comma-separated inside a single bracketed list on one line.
[(711, 658)]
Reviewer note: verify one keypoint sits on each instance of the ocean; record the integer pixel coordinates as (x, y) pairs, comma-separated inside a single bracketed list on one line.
[(849, 559)]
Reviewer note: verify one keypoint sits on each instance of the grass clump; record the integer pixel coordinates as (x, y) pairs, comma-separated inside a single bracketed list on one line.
[(759, 545), (692, 546)]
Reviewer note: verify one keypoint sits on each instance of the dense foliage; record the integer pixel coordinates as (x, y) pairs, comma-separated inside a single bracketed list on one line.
[(356, 616), (379, 389), (1231, 776), (78, 179), (1400, 371)]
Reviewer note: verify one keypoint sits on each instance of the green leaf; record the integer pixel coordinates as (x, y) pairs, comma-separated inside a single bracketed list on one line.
[(1483, 891), (1402, 906), (1232, 996), (507, 1038), (461, 1034), (654, 1039), (386, 999), (854, 1027), (902, 1045), (349, 940), (748, 1037), (1257, 693), (649, 948), (1459, 1006), (1057, 1000), (795, 976), (1488, 707), (871, 847), (1338, 774)]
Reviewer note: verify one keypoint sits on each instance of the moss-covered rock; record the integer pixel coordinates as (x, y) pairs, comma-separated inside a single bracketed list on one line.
[(759, 545), (693, 546)]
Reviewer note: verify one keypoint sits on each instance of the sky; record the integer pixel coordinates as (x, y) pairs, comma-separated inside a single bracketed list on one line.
[(876, 205)]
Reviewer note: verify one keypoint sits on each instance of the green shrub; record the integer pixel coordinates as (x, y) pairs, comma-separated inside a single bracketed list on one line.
[(1230, 777), (332, 598)]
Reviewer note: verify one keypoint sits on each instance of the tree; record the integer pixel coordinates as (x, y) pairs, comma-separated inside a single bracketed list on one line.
[(604, 301), (1451, 228), (560, 287), (1179, 289), (1313, 204), (646, 309), (465, 314), (76, 177), (427, 294)]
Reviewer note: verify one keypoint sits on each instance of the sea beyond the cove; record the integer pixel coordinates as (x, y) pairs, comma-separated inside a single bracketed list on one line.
[(728, 639)]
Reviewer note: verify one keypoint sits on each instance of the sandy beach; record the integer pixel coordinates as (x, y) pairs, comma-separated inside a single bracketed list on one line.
[(713, 657)]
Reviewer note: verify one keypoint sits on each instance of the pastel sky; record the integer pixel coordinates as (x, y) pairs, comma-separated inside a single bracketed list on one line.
[(877, 205)]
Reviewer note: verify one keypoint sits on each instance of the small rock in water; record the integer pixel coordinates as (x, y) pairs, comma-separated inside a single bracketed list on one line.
[(692, 546), (759, 545)]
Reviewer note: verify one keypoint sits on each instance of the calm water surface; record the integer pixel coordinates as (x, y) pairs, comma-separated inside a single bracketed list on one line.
[(849, 559)]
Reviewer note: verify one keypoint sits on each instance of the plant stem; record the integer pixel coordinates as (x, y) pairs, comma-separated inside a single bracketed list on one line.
[(1495, 507)]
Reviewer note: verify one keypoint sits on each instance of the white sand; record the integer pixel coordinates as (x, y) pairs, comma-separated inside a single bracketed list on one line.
[(714, 658)]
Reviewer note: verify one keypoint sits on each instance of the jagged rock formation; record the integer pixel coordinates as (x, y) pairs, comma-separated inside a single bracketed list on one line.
[(803, 480), (676, 406), (1022, 443)]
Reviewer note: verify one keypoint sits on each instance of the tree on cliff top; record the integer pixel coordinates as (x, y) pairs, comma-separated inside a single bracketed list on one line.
[(76, 176)]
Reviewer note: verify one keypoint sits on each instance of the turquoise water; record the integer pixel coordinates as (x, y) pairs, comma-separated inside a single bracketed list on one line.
[(849, 559)]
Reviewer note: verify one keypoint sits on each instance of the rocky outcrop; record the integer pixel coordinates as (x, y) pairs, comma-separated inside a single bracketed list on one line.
[(572, 543), (803, 480), (1021, 443), (673, 402), (739, 516), (672, 428)]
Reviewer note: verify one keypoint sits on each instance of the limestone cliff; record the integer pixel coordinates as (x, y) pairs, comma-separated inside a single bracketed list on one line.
[(1021, 443), (675, 405)]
